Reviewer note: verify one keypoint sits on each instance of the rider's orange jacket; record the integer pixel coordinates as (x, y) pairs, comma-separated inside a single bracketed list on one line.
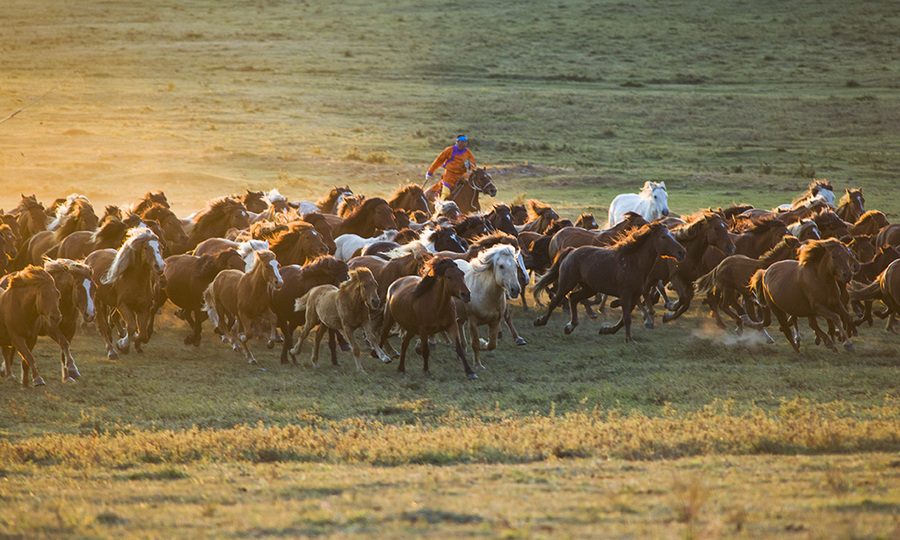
[(453, 159)]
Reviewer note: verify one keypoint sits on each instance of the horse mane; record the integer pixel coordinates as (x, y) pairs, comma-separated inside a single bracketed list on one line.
[(492, 239), (405, 236), (873, 215), (216, 210), (111, 227), (150, 198), (735, 210), (266, 230), (325, 266), (350, 204), (632, 240), (487, 257), (815, 250), (30, 276), (763, 225), (694, 224), (157, 211), (366, 208), (289, 233), (413, 190), (787, 242), (332, 197), (78, 213), (433, 270), (125, 255), (536, 209)]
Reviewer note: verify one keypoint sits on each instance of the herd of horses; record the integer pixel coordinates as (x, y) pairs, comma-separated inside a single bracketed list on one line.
[(260, 266)]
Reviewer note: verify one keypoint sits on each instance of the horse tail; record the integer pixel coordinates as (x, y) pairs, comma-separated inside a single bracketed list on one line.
[(756, 287), (552, 274), (706, 284), (209, 305), (860, 292), (301, 303)]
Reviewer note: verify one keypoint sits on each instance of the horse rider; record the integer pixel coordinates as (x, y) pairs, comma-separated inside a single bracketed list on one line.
[(457, 161)]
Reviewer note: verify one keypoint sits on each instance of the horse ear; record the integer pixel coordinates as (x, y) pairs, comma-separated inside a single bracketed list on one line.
[(648, 184), (662, 184)]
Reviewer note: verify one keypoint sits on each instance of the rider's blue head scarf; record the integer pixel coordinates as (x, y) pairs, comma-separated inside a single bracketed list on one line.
[(461, 138)]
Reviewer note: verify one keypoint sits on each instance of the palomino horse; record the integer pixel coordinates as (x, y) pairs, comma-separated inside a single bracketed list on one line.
[(620, 270), (410, 198), (187, 276), (811, 287), (76, 297), (297, 281), (128, 280), (467, 189), (30, 301), (345, 309), (852, 205), (234, 299), (723, 284), (424, 306), (651, 203), (491, 277), (215, 220)]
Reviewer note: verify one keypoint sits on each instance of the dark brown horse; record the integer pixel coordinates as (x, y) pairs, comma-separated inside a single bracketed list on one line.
[(889, 235), (297, 282), (329, 204), (187, 276), (885, 287), (830, 225), (811, 287), (500, 218), (76, 298), (587, 222), (423, 307), (7, 247), (323, 227), (540, 217), (235, 299), (128, 281), (869, 223), (374, 214), (172, 228), (410, 198), (577, 236), (219, 216), (852, 205), (29, 301), (31, 218), (620, 270), (519, 213)]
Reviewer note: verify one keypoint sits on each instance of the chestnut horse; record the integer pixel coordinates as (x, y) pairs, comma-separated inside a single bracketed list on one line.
[(297, 281), (30, 301), (811, 287), (297, 243), (149, 199), (869, 223), (31, 219), (323, 227), (345, 308), (173, 229), (373, 215), (234, 299), (128, 281), (76, 297), (424, 306), (886, 288), (219, 216), (409, 198), (540, 217), (852, 205), (620, 270), (187, 276), (110, 234), (579, 236)]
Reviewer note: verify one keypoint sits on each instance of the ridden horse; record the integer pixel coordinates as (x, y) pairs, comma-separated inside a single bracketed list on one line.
[(885, 287), (234, 299), (491, 277), (869, 223), (587, 222), (811, 287), (31, 219), (576, 236), (410, 198), (187, 276), (345, 309), (424, 306), (297, 243), (219, 216), (297, 281), (465, 192), (852, 205), (731, 278), (500, 218), (702, 231), (540, 217), (76, 297), (620, 270), (173, 230), (323, 227), (128, 280), (327, 205), (373, 215), (651, 203), (30, 301)]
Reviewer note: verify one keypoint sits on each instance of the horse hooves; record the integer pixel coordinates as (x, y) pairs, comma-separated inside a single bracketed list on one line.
[(432, 344), (253, 362), (112, 355), (270, 344), (849, 347), (592, 315), (607, 330), (39, 381), (521, 341), (568, 329), (649, 325), (429, 375), (540, 321), (73, 373), (68, 380), (668, 317), (472, 375)]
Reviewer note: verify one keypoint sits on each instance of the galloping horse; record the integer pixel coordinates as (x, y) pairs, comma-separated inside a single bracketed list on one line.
[(587, 222), (651, 203), (620, 270), (820, 190), (491, 277), (110, 234), (76, 297), (345, 309), (298, 243), (869, 223), (323, 227), (811, 287), (540, 217), (172, 227), (149, 199), (410, 198), (128, 280), (374, 214), (187, 276), (30, 301), (577, 236), (216, 219), (234, 299), (465, 192), (852, 205), (424, 306), (500, 218), (886, 288), (30, 218)]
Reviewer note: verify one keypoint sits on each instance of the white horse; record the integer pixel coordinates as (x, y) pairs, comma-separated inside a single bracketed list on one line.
[(347, 244), (491, 278), (651, 203)]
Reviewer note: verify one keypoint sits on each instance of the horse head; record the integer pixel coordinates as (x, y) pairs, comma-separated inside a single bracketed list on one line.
[(665, 243), (364, 281), (83, 289), (482, 182), (717, 234), (503, 259), (454, 278), (446, 239), (657, 193), (266, 260)]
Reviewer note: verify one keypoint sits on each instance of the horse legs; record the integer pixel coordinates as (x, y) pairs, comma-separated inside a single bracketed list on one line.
[(287, 330), (69, 370), (28, 363), (575, 298), (512, 329), (784, 324), (320, 333), (685, 295), (6, 369), (244, 326), (460, 352), (476, 343), (351, 337), (124, 344), (555, 301), (821, 335), (404, 345), (369, 332), (103, 328)]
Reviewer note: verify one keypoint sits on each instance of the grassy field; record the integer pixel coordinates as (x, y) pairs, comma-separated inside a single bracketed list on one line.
[(690, 432)]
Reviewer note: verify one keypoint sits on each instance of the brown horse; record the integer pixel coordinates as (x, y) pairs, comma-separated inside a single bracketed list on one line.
[(219, 216), (128, 281), (148, 200), (869, 223), (852, 205), (297, 282), (73, 216), (30, 301), (830, 225), (731, 278), (620, 270), (76, 297), (323, 227), (173, 230), (187, 276), (577, 237), (587, 222), (423, 306), (297, 242), (365, 221), (467, 189), (31, 219), (702, 231), (886, 288), (410, 198), (500, 218), (805, 229), (811, 287), (349, 203), (519, 214), (329, 203), (540, 217), (234, 299), (345, 309), (110, 235)]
